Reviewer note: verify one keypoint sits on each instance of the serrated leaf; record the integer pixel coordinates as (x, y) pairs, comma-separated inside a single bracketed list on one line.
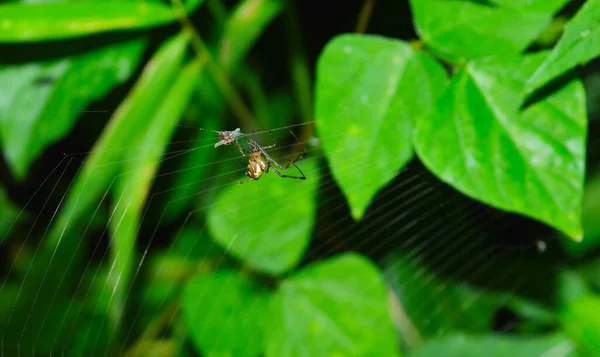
[(460, 30), (225, 312), (267, 223), (370, 90), (39, 105), (578, 45), (337, 307), (246, 22), (459, 345), (133, 185), (530, 162), (581, 321), (30, 22)]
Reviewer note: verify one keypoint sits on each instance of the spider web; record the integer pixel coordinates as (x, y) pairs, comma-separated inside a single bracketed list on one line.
[(442, 253)]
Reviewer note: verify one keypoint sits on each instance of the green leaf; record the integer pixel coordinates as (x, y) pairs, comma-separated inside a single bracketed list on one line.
[(9, 216), (459, 345), (578, 45), (225, 312), (62, 250), (41, 105), (366, 127), (267, 223), (581, 320), (337, 307), (461, 30), (102, 164), (589, 216), (247, 21), (133, 185), (530, 162), (56, 20)]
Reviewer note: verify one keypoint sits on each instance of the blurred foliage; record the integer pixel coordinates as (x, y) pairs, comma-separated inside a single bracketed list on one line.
[(124, 232)]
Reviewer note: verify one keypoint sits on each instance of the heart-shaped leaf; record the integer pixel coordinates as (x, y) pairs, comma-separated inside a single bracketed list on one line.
[(337, 307), (530, 162), (267, 223), (370, 91), (40, 105), (578, 45), (225, 313), (460, 30)]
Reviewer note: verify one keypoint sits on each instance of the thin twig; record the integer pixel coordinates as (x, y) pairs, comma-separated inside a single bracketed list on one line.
[(154, 329), (365, 16), (300, 74), (238, 107)]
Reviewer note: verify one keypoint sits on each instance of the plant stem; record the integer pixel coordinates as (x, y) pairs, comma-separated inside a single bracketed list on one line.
[(238, 107), (365, 16), (300, 74)]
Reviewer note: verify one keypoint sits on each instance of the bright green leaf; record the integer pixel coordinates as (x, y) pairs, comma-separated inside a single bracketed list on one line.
[(581, 320), (337, 307), (578, 45), (41, 105), (247, 21), (133, 185), (530, 162), (458, 345), (22, 22), (366, 127), (459, 30), (225, 312), (267, 223)]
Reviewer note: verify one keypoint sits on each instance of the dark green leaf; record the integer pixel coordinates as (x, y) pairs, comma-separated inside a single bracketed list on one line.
[(578, 45), (102, 164), (267, 223), (530, 162), (247, 21), (225, 312), (133, 185), (581, 320), (366, 127), (460, 30), (556, 345), (66, 19), (62, 248), (41, 105), (9, 216), (337, 307)]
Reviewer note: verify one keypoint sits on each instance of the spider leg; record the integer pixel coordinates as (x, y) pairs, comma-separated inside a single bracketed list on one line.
[(290, 176), (237, 181), (242, 150), (272, 138)]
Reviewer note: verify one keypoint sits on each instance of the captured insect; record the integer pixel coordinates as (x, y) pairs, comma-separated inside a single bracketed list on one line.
[(259, 162)]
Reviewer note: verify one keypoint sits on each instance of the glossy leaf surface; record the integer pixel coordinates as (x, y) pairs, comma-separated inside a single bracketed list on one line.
[(530, 162), (460, 30), (337, 307), (366, 127), (578, 45)]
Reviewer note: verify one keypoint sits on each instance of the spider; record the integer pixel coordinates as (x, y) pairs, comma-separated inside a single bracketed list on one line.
[(259, 162)]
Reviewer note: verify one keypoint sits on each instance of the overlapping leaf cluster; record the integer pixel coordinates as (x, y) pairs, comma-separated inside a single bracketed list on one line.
[(497, 121)]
